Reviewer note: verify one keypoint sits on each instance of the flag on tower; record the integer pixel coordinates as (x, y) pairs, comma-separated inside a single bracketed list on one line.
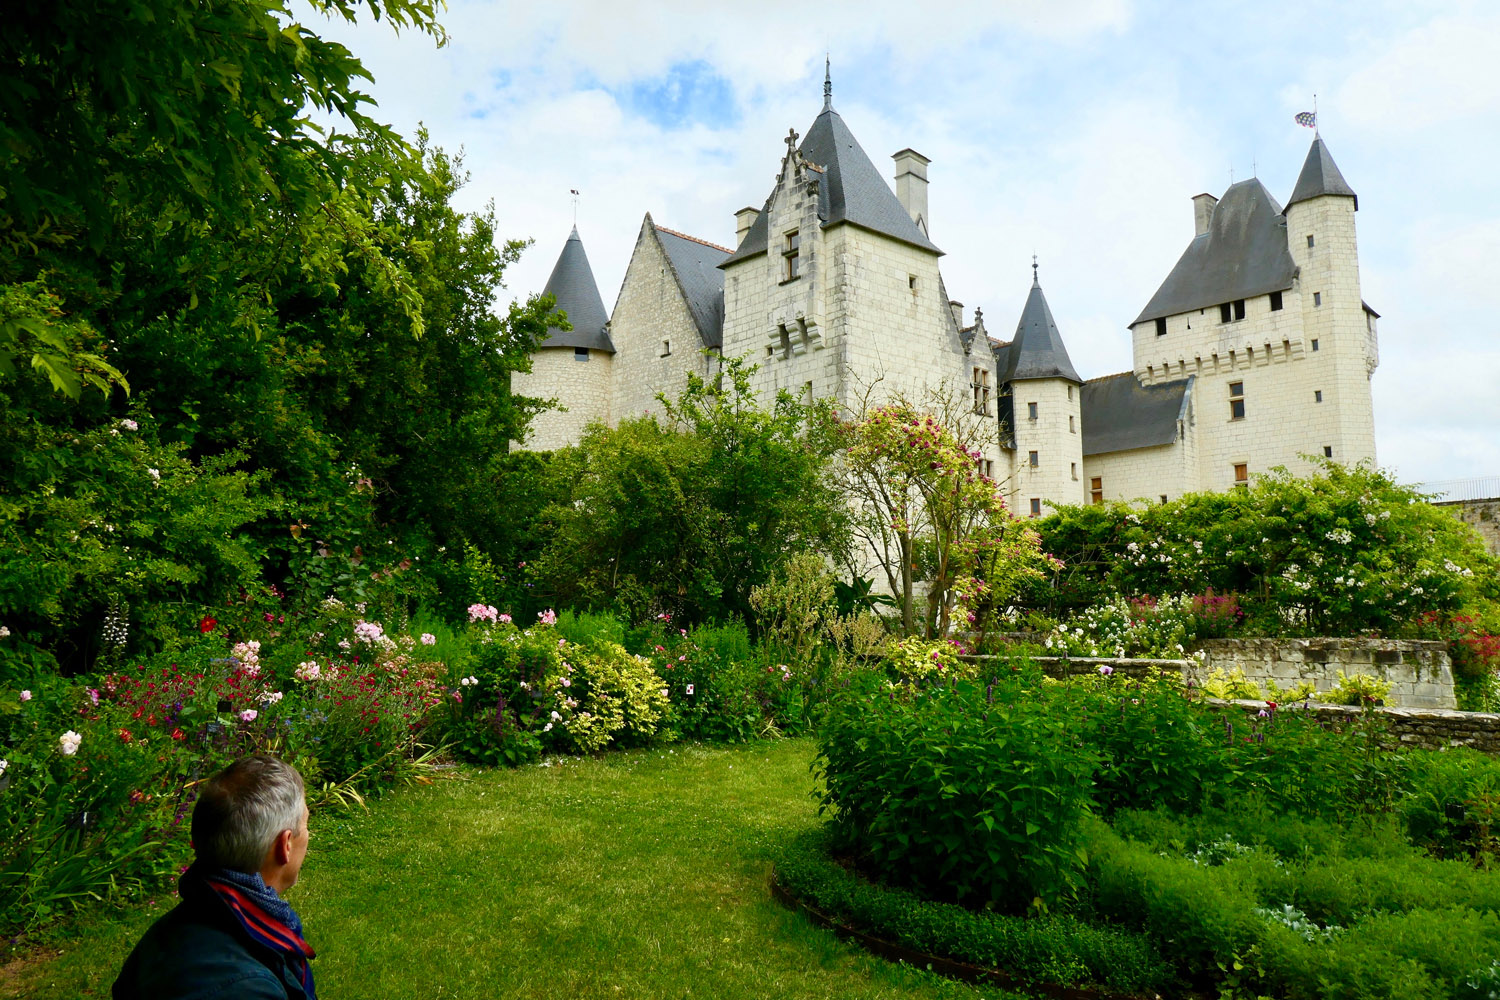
[(1307, 119)]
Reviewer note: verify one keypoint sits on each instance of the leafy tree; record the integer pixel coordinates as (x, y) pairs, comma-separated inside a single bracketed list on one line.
[(687, 516)]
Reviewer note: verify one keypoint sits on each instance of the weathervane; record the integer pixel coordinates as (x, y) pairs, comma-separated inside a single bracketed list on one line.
[(1034, 279), (574, 193), (827, 82)]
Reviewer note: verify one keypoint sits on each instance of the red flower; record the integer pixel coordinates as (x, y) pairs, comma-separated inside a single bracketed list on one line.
[(178, 734), (125, 736), (208, 624)]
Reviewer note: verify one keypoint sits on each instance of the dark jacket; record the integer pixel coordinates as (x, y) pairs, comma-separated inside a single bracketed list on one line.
[(199, 951)]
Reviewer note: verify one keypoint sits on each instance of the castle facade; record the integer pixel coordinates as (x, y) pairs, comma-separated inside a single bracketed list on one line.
[(1256, 349)]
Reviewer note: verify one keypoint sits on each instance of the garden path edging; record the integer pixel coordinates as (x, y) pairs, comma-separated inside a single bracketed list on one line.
[(950, 967)]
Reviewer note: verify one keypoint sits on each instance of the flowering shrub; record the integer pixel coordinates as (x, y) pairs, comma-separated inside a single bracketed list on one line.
[(1340, 552), (1158, 629), (621, 698), (919, 661)]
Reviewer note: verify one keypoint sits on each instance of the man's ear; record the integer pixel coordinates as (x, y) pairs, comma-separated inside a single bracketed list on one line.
[(282, 846)]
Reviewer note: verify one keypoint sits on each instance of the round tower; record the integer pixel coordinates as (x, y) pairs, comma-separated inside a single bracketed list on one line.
[(1041, 389), (1338, 328), (571, 366)]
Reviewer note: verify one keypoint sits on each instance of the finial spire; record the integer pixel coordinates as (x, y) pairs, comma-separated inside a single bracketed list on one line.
[(827, 82), (1035, 281)]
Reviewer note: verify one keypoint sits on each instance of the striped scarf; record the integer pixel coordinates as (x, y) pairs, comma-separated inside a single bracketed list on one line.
[(267, 919)]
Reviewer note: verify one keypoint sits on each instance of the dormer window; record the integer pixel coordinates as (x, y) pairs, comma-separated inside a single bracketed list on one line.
[(981, 386), (580, 354), (791, 256)]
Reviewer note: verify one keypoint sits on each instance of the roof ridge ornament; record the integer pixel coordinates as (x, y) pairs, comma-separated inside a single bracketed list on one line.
[(827, 82), (1035, 281)]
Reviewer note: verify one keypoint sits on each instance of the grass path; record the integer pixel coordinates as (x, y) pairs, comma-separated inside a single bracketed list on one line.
[(639, 874)]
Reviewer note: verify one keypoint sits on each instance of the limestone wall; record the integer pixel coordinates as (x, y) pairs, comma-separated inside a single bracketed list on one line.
[(1420, 673), (1141, 473), (1055, 435), (1481, 515), (656, 341), (582, 386), (1427, 728)]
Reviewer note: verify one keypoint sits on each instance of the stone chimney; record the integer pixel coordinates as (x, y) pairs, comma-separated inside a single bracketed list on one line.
[(1203, 212), (958, 312), (743, 220), (911, 184)]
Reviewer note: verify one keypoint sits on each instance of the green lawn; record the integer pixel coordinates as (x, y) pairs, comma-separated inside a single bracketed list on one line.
[(640, 874)]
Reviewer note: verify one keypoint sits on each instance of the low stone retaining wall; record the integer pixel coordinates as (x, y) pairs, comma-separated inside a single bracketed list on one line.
[(1431, 728), (1419, 673)]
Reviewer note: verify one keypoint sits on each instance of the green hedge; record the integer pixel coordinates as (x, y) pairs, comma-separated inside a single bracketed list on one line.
[(1045, 949)]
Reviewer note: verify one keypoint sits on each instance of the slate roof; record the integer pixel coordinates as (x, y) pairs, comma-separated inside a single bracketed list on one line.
[(1120, 414), (1243, 254), (1037, 351), (852, 190), (572, 283), (1320, 176), (696, 264)]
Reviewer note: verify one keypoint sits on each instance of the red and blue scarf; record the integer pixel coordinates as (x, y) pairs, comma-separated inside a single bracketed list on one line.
[(266, 918)]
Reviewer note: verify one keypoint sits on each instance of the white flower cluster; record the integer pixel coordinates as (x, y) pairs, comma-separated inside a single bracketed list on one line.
[(68, 742), (308, 672), (1341, 535), (1298, 922), (1453, 567), (270, 697), (468, 681)]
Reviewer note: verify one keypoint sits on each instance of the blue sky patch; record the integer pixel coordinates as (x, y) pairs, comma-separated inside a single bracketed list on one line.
[(688, 94)]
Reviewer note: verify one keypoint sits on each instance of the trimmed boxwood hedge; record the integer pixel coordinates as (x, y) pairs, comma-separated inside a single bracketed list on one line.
[(1053, 949)]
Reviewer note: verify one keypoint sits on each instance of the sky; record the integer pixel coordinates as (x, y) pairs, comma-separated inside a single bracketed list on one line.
[(1077, 130)]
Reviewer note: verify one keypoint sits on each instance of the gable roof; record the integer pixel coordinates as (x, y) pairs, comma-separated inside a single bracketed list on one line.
[(696, 263), (852, 190), (1243, 254), (1037, 349), (572, 284), (1119, 413), (1320, 176)]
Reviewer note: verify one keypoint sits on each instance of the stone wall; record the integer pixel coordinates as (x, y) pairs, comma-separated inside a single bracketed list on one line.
[(1481, 515), (1420, 673), (1428, 728), (581, 385)]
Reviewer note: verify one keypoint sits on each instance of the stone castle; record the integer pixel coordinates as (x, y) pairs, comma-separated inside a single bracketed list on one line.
[(1256, 349)]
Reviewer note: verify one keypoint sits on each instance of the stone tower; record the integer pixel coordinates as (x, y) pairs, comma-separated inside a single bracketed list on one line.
[(1040, 407), (572, 366), (834, 289), (1320, 232)]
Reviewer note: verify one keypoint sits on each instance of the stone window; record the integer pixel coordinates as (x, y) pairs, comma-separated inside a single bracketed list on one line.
[(911, 283), (986, 467), (1242, 475), (1161, 326), (1276, 302), (1070, 393), (1236, 401), (1163, 498), (807, 391), (1030, 411), (1315, 343), (666, 348), (1096, 489), (791, 256), (1317, 298), (1075, 471), (1226, 313), (1073, 428), (1317, 395), (1239, 308), (1036, 506), (1328, 451), (1033, 460), (981, 386), (1309, 241), (580, 354)]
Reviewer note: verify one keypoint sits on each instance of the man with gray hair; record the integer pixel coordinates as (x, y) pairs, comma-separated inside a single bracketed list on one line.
[(233, 934)]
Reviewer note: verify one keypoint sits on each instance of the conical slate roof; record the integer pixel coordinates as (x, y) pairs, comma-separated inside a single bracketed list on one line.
[(1037, 350), (572, 283), (1243, 254), (1320, 176), (852, 190)]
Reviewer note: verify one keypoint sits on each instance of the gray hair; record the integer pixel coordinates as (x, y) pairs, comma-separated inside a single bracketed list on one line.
[(243, 808)]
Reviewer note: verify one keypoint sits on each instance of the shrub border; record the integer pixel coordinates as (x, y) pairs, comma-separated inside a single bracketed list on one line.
[(846, 926)]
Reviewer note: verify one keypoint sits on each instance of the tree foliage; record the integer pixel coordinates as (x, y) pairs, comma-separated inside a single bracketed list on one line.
[(688, 515)]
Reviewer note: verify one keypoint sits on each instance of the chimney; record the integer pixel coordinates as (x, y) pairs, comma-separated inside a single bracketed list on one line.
[(958, 312), (743, 220), (911, 184), (1203, 212)]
